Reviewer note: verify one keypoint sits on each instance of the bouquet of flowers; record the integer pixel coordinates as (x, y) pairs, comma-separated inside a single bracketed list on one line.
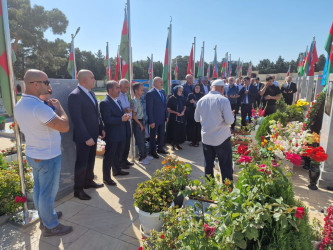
[(257, 118), (316, 155)]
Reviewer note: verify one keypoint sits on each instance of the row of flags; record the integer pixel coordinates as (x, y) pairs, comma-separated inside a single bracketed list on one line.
[(328, 69), (306, 65)]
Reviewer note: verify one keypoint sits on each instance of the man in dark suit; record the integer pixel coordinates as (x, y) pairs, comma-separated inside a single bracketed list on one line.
[(114, 120), (259, 85), (84, 114), (157, 116), (204, 86), (288, 89), (248, 95)]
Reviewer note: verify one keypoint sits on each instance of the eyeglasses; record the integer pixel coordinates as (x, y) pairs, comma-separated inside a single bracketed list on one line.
[(47, 83)]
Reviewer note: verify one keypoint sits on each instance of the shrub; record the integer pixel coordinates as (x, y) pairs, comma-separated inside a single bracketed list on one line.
[(294, 113), (315, 114), (281, 105)]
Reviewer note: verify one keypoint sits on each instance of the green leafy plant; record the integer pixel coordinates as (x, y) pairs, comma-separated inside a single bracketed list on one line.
[(294, 113), (315, 114), (281, 105), (153, 196)]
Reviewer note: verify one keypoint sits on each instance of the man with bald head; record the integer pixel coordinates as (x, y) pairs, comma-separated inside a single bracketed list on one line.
[(188, 86), (157, 116), (41, 126), (123, 98), (87, 123), (288, 89)]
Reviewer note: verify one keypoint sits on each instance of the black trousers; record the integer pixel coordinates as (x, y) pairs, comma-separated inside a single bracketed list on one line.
[(159, 130), (235, 107), (112, 158), (246, 111), (224, 155), (84, 165), (270, 109), (126, 150)]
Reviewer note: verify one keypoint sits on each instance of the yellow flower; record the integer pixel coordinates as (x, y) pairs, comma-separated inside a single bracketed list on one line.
[(270, 149), (281, 148), (263, 143)]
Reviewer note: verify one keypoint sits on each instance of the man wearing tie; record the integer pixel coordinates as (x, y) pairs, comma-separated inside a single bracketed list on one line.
[(114, 119), (288, 89), (157, 116), (258, 85), (248, 96), (84, 114)]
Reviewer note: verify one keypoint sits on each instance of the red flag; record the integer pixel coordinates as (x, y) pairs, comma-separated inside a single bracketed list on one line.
[(116, 73), (190, 63), (314, 60)]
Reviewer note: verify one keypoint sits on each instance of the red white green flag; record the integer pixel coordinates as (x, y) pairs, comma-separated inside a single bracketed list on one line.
[(4, 68), (190, 63), (107, 64), (200, 71), (71, 67), (328, 69), (124, 49), (165, 74), (288, 73), (116, 73), (313, 59)]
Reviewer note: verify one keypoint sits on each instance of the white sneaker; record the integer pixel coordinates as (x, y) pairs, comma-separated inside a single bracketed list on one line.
[(144, 162), (149, 158)]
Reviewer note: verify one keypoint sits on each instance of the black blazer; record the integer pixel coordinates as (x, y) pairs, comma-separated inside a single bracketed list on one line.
[(84, 116), (115, 128), (292, 88), (202, 90), (156, 108), (252, 95)]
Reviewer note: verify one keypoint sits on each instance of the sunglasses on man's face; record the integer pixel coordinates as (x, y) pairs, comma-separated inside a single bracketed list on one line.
[(47, 83)]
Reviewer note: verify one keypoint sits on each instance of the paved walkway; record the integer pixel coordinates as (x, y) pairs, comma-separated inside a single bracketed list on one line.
[(109, 221)]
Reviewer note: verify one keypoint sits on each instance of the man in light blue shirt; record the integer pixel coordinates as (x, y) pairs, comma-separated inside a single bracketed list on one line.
[(214, 113)]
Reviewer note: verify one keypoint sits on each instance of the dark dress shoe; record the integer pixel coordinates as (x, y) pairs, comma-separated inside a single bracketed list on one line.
[(82, 195), (125, 167), (155, 155), (162, 151), (93, 185), (178, 147), (120, 173), (57, 231), (129, 163), (110, 182), (41, 225)]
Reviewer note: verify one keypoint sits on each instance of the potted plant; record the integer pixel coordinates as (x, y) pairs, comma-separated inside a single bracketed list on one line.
[(150, 199), (2, 122), (316, 155), (177, 173)]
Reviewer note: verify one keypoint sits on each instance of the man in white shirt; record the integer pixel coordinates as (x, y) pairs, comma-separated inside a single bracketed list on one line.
[(41, 127), (124, 89), (214, 113)]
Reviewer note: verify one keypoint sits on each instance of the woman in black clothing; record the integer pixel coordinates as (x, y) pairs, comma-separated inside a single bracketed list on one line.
[(193, 128), (176, 126)]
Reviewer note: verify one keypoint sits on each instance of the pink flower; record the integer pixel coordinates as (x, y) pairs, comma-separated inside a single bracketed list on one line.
[(162, 236), (244, 158), (262, 168), (294, 159), (300, 212), (209, 230)]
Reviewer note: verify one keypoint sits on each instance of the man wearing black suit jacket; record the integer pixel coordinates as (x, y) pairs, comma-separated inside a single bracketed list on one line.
[(259, 85), (288, 89), (84, 114), (114, 119), (157, 116), (248, 95), (204, 86)]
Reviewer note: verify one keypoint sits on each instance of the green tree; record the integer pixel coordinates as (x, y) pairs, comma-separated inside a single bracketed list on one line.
[(321, 63)]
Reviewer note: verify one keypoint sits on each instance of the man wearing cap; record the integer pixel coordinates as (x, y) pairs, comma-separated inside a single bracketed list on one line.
[(214, 113)]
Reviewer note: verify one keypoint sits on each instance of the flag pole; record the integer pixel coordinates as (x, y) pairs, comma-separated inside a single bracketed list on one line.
[(170, 57), (26, 213), (152, 71), (194, 60), (120, 63), (73, 36), (132, 150)]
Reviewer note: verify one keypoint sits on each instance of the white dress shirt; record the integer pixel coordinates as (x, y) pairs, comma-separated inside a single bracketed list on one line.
[(214, 113)]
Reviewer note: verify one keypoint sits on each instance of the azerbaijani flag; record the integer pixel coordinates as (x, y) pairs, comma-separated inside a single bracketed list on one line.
[(116, 72), (200, 71), (176, 71), (313, 60), (165, 74), (301, 70), (307, 61), (208, 72), (4, 67), (288, 73), (124, 49), (190, 63), (151, 71), (224, 68), (71, 68), (215, 74), (328, 69), (107, 64)]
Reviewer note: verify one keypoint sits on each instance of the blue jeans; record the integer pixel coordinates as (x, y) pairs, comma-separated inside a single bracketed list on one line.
[(46, 183), (224, 155)]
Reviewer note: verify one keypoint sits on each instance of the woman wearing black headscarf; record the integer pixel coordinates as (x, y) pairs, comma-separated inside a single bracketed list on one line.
[(176, 126), (193, 128)]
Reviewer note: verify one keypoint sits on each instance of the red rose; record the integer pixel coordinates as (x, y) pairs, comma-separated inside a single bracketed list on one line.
[(140, 248), (242, 150), (300, 212), (162, 236), (2, 151), (209, 230), (307, 116)]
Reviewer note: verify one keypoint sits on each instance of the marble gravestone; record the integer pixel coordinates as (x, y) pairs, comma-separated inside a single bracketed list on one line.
[(326, 138), (61, 88), (309, 88), (303, 87), (317, 87), (297, 95)]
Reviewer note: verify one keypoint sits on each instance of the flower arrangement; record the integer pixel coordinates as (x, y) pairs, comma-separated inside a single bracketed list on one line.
[(316, 155), (302, 103), (153, 196), (257, 118), (327, 241)]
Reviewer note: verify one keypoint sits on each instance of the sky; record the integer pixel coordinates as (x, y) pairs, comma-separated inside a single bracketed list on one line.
[(251, 30)]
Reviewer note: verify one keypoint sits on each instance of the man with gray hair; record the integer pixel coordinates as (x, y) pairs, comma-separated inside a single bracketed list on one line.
[(214, 113), (123, 98), (188, 86), (41, 125), (288, 89)]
